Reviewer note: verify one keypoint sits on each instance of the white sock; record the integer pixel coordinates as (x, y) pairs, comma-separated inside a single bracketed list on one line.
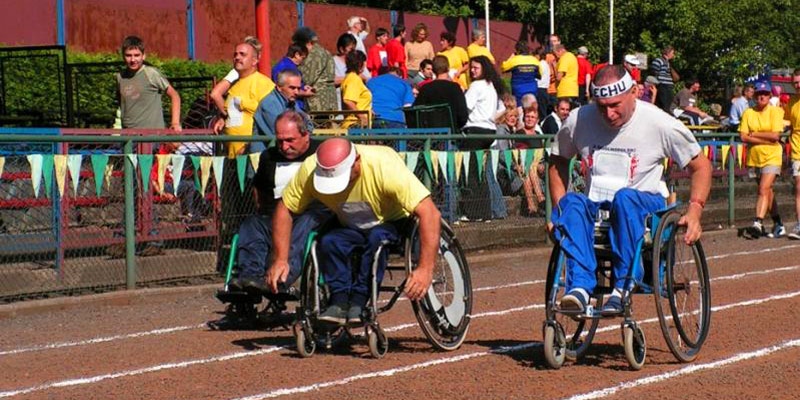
[(617, 293)]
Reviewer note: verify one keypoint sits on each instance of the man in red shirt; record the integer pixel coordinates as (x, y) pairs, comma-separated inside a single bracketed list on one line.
[(397, 51), (378, 56), (584, 75), (632, 65)]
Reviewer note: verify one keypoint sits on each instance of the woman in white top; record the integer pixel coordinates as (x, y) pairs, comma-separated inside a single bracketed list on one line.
[(483, 105), (483, 102)]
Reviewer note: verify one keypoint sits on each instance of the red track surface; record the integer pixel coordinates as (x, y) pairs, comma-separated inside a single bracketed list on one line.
[(752, 351)]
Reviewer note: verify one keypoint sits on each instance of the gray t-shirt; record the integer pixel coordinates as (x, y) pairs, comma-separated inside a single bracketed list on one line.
[(140, 98), (646, 140)]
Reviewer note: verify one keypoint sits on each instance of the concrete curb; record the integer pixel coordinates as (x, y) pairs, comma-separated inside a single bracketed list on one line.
[(155, 295)]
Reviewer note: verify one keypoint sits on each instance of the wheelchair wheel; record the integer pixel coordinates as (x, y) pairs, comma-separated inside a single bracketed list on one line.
[(306, 345), (378, 342), (681, 289), (555, 345), (578, 334), (635, 345), (444, 312)]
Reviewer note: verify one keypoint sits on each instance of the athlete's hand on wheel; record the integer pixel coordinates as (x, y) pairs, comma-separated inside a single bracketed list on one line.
[(277, 274), (418, 282)]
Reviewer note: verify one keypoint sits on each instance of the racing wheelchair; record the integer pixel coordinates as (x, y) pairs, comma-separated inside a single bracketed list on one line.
[(675, 274), (443, 314)]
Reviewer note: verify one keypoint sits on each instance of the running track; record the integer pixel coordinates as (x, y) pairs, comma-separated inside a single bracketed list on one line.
[(160, 349)]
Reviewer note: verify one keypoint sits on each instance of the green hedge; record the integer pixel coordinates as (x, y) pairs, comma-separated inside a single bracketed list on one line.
[(36, 86)]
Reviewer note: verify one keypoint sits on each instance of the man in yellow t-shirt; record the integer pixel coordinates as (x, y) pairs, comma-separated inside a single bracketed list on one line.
[(793, 113), (760, 129), (243, 96), (566, 73), (369, 189), (458, 58)]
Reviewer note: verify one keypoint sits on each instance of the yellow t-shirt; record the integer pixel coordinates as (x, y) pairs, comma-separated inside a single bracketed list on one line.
[(385, 191), (457, 57), (250, 90), (770, 119), (474, 50), (568, 86), (354, 89), (793, 114)]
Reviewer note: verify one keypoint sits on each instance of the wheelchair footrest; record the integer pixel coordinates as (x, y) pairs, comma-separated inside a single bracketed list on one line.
[(228, 296)]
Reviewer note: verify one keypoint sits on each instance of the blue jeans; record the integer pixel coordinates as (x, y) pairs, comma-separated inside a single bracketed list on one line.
[(574, 222), (255, 243), (336, 249), (498, 202)]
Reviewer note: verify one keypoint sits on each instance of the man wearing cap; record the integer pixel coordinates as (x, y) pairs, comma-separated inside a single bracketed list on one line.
[(624, 142), (584, 75), (317, 71), (631, 63), (760, 129), (371, 192)]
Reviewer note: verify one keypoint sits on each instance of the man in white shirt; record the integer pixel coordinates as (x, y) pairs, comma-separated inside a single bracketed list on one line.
[(359, 28), (624, 142)]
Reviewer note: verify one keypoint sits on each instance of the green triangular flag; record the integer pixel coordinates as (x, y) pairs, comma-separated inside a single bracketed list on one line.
[(529, 158), (467, 155), (451, 165), (35, 160), (412, 157), (428, 164), (99, 162), (442, 159), (196, 165), (47, 173), (509, 168), (145, 166), (479, 162), (241, 168)]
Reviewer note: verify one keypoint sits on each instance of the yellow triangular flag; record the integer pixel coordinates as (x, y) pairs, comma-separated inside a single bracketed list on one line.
[(459, 159), (666, 163), (726, 148), (740, 154), (163, 163), (255, 158), (60, 164), (107, 174), (205, 172), (705, 151), (402, 155), (435, 165), (2, 165)]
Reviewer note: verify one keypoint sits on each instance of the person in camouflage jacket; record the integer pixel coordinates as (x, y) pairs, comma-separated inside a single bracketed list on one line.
[(317, 70)]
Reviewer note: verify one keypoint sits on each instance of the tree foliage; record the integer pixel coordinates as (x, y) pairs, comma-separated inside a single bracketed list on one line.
[(718, 41)]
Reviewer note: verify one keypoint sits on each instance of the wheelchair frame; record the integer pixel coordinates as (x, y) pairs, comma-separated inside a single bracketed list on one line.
[(432, 312), (568, 335)]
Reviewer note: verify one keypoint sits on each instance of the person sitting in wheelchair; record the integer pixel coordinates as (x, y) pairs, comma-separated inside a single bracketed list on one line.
[(625, 142), (369, 189), (276, 167)]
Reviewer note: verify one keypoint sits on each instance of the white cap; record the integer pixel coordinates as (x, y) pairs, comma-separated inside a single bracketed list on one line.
[(631, 59), (332, 180)]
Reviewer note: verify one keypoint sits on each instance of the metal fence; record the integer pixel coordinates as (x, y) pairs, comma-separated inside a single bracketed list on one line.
[(98, 210)]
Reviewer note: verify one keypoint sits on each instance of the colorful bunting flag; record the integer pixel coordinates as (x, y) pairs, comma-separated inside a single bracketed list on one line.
[(60, 165), (74, 165), (35, 160), (177, 171), (99, 163)]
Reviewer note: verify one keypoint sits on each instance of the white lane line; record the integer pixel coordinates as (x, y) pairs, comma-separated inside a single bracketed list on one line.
[(155, 368), (481, 289), (686, 371), (389, 372), (101, 339), (245, 354)]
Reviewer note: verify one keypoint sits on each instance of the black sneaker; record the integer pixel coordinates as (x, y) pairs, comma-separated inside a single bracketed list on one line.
[(335, 314)]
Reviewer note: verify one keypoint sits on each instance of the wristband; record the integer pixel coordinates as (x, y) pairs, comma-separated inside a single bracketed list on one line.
[(699, 202)]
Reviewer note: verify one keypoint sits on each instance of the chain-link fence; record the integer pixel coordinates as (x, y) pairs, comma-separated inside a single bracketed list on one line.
[(64, 203)]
